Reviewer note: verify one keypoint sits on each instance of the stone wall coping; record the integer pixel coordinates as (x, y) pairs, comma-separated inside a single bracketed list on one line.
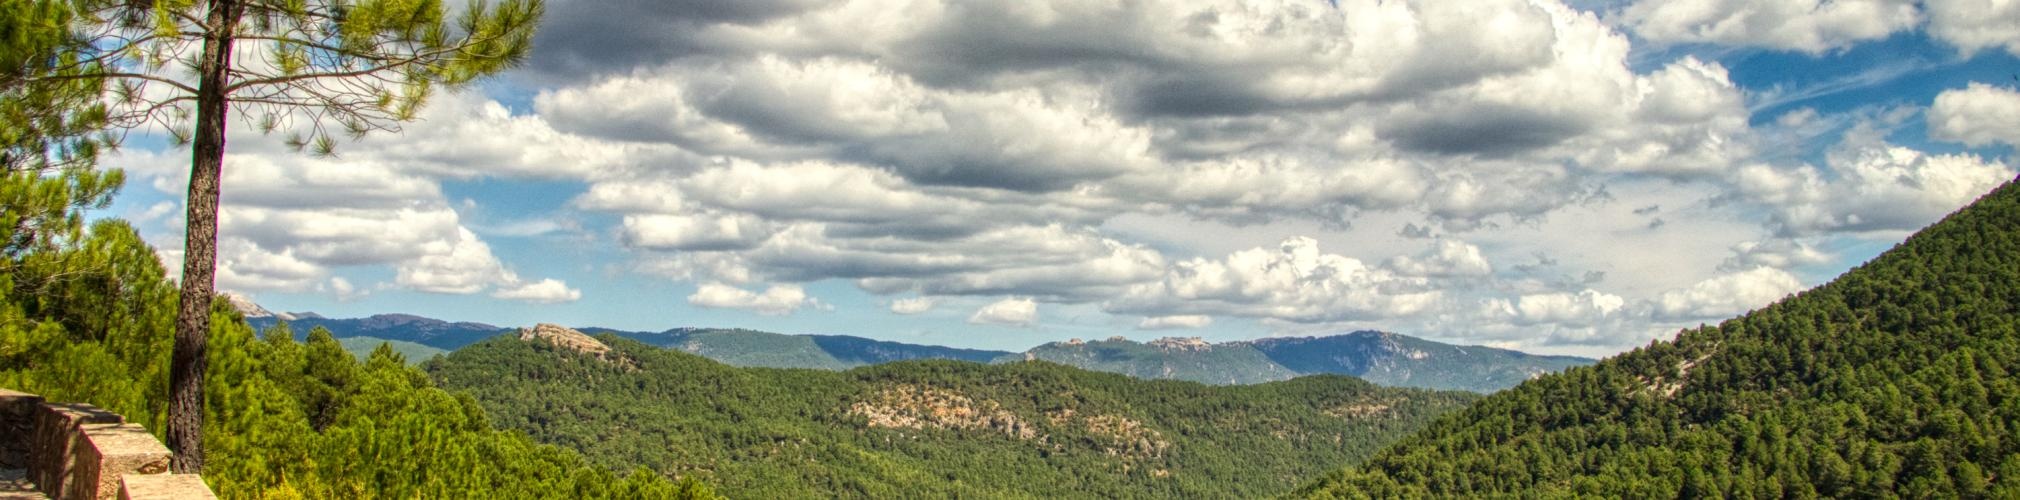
[(80, 451), (164, 486)]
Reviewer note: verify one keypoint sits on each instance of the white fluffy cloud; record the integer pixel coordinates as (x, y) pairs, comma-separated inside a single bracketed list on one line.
[(1871, 187), (1446, 258), (291, 222), (778, 300), (1727, 295), (1294, 281), (1973, 25), (1812, 26), (1017, 311), (1775, 253), (546, 291), (1978, 114), (1818, 26), (1171, 322), (915, 305), (1584, 308)]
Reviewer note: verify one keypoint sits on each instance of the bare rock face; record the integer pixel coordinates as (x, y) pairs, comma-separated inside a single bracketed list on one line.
[(1182, 344), (910, 406), (566, 338)]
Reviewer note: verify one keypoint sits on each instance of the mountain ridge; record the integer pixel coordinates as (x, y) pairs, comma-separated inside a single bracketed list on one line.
[(1385, 358)]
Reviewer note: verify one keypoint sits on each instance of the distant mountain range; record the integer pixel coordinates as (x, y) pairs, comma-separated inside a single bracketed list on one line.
[(444, 335), (1383, 358)]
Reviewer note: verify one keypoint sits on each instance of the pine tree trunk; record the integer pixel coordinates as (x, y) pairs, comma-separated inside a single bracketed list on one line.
[(199, 252)]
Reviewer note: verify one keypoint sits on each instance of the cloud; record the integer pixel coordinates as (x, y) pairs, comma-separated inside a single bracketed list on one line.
[(1292, 282), (1976, 115), (915, 305), (462, 265), (778, 300), (1776, 253), (546, 291), (1727, 295), (695, 231), (1810, 26), (1016, 311), (1171, 322), (1580, 309), (1974, 25), (1446, 258), (1870, 187), (288, 221), (342, 289), (777, 108), (594, 37), (244, 266)]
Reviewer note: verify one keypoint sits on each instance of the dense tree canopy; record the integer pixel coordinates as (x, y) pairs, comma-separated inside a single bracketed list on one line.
[(1899, 376), (939, 428)]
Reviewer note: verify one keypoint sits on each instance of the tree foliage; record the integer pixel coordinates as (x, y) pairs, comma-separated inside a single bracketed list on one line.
[(56, 123), (943, 428), (314, 69), (302, 65), (1897, 377), (83, 317)]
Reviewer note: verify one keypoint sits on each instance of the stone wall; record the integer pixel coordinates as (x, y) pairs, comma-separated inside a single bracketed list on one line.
[(78, 451)]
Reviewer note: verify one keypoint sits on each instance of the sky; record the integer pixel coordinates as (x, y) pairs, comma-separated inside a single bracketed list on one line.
[(1567, 178)]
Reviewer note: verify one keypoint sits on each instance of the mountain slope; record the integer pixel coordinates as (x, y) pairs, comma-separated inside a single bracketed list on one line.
[(362, 348), (1383, 358), (1404, 361), (430, 332), (1163, 359), (931, 428), (1896, 377), (751, 348)]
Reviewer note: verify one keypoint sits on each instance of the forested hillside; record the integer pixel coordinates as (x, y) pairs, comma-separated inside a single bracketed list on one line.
[(1896, 377), (362, 347), (930, 428)]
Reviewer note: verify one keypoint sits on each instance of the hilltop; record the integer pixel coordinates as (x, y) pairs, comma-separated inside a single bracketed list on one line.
[(1898, 376), (930, 428)]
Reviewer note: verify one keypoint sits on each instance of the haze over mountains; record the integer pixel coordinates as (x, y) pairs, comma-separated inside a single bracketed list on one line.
[(1383, 358)]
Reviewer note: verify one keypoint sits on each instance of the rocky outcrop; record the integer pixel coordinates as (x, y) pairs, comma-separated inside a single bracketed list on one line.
[(919, 407), (1127, 437), (1181, 344), (1361, 410), (565, 338), (1116, 435)]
